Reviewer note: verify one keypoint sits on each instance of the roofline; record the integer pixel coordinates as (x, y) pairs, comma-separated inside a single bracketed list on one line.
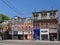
[(45, 11)]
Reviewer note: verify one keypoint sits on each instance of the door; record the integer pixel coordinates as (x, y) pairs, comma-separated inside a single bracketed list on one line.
[(25, 37), (36, 35), (53, 36), (15, 36), (44, 36)]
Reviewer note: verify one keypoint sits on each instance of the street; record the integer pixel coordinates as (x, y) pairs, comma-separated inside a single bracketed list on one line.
[(25, 42)]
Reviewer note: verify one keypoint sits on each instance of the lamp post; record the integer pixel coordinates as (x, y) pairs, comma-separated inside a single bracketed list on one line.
[(32, 28)]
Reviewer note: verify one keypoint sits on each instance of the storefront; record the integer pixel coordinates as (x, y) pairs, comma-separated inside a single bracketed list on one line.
[(53, 34), (36, 34), (13, 35), (58, 33), (27, 35), (20, 35), (44, 34)]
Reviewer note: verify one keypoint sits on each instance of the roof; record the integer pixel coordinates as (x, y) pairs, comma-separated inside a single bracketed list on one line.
[(45, 11)]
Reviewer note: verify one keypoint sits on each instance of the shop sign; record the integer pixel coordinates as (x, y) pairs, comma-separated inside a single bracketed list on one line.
[(11, 32), (53, 31), (20, 32), (27, 32), (44, 31)]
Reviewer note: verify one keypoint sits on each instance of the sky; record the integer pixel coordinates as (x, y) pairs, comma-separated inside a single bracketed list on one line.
[(24, 8)]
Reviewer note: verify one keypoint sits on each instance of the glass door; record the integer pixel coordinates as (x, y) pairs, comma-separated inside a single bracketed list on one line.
[(44, 36)]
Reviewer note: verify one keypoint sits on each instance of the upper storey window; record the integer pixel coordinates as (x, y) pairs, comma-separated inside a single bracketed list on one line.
[(35, 15), (52, 14), (43, 15)]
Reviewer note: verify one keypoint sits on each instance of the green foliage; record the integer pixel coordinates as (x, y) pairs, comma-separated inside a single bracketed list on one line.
[(3, 17)]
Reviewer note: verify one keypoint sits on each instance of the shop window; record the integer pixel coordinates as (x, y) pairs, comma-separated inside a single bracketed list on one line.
[(44, 37)]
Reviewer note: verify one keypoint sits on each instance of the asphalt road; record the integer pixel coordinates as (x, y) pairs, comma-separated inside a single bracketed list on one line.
[(17, 42)]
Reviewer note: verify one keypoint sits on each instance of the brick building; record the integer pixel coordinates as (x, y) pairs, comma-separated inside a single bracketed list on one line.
[(21, 28), (47, 23)]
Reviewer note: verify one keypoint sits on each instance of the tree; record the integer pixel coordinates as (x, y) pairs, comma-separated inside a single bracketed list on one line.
[(3, 18)]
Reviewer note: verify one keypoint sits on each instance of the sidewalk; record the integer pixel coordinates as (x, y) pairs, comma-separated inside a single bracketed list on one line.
[(29, 41), (47, 41)]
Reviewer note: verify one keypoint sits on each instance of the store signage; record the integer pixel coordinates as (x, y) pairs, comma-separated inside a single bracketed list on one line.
[(53, 31), (27, 32), (11, 32), (20, 32), (44, 31)]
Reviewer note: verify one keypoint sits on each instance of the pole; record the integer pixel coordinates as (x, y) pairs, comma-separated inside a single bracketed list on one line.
[(2, 34), (32, 28), (23, 35), (12, 35), (57, 35)]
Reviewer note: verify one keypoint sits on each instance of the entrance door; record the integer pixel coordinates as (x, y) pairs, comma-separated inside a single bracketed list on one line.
[(53, 36), (15, 37), (36, 35), (20, 37), (25, 37), (44, 36)]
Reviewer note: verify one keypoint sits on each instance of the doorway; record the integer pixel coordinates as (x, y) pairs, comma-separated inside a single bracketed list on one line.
[(36, 35), (53, 36), (26, 37), (20, 37), (44, 37)]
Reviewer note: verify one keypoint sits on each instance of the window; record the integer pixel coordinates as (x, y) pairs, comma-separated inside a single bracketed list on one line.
[(41, 25), (15, 32), (45, 25), (52, 14), (26, 28), (52, 25), (35, 15), (38, 25), (44, 15), (44, 37)]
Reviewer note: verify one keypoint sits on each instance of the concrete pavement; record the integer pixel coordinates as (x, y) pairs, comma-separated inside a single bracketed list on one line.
[(28, 42)]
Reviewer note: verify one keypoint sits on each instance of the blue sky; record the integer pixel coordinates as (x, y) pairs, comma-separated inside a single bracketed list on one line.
[(26, 7)]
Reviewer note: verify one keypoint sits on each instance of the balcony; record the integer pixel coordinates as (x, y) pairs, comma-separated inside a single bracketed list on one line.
[(35, 18), (44, 17), (52, 17)]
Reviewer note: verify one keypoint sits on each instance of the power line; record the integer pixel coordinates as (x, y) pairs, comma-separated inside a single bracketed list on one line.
[(13, 8)]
